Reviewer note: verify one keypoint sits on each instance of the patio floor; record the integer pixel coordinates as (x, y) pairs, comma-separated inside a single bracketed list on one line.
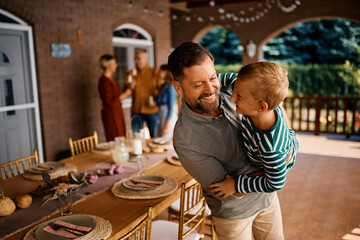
[(321, 199)]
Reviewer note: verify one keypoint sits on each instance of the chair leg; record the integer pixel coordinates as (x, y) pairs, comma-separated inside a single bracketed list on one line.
[(213, 234)]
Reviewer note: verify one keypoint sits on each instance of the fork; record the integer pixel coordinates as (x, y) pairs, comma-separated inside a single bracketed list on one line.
[(69, 230)]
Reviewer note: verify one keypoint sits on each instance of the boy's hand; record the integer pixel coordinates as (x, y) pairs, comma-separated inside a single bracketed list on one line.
[(223, 189)]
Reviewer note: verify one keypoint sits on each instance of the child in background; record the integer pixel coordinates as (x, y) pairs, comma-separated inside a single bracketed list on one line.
[(269, 142)]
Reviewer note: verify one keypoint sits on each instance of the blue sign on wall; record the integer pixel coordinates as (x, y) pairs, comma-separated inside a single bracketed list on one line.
[(60, 50)]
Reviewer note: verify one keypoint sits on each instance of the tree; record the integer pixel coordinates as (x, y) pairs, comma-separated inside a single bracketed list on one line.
[(331, 41), (224, 45)]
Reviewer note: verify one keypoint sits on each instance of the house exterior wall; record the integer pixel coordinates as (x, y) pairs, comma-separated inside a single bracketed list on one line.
[(69, 102), (260, 31)]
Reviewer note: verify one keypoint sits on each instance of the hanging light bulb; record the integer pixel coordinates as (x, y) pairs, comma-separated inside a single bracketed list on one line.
[(221, 10), (212, 3), (188, 18), (211, 18), (228, 15), (200, 19), (146, 9), (174, 17), (160, 13), (130, 4)]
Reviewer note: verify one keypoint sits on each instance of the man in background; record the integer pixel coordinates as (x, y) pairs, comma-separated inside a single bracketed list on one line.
[(144, 82)]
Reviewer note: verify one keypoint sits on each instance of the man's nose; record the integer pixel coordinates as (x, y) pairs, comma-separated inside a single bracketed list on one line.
[(208, 87)]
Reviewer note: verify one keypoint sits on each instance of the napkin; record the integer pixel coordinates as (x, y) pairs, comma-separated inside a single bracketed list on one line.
[(45, 167), (60, 232), (73, 226), (144, 183), (70, 227)]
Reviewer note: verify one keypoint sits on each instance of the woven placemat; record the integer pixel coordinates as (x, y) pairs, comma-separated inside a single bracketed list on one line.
[(101, 231), (55, 174), (169, 186)]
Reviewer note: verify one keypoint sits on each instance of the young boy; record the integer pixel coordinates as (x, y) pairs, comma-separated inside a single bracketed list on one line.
[(269, 143)]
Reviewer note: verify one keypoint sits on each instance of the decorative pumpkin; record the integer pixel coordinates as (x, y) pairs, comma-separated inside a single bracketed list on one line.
[(7, 206), (23, 201)]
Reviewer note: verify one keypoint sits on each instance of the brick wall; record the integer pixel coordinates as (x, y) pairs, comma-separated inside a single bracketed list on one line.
[(69, 101)]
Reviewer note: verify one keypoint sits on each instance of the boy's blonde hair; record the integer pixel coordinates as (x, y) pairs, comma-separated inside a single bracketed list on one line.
[(271, 82)]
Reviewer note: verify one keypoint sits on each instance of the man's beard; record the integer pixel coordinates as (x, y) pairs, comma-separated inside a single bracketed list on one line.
[(206, 108)]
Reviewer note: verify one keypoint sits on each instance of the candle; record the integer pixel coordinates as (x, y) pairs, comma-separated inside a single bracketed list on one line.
[(137, 146)]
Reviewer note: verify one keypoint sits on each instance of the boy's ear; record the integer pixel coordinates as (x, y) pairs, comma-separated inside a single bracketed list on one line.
[(263, 106)]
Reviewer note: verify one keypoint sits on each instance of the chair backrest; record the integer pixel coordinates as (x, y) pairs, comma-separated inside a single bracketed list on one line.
[(7, 170), (142, 231), (83, 145), (191, 215)]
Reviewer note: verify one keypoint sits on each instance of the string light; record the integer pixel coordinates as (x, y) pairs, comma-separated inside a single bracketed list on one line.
[(290, 7), (251, 13), (221, 10)]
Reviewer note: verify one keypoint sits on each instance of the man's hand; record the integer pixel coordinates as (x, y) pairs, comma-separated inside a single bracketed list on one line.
[(223, 189)]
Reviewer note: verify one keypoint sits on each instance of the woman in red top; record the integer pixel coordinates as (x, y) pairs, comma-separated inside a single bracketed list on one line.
[(111, 113)]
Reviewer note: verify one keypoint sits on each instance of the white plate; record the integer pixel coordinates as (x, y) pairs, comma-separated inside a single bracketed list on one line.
[(55, 164), (80, 220), (174, 159), (151, 178), (162, 140), (103, 146)]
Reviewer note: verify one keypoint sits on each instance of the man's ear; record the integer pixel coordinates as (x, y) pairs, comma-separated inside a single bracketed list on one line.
[(262, 106), (178, 88)]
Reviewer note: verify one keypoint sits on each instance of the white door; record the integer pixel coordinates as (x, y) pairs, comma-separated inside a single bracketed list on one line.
[(17, 128)]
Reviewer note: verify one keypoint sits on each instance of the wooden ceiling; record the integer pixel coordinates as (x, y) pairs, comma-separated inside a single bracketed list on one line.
[(205, 3)]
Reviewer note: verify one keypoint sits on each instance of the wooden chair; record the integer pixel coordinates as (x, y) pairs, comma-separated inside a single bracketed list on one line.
[(83, 145), (173, 216), (174, 212), (191, 198), (142, 231), (24, 162)]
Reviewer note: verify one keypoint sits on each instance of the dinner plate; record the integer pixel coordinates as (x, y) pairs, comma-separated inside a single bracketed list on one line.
[(162, 140), (103, 146), (174, 159), (149, 178), (80, 220), (55, 164)]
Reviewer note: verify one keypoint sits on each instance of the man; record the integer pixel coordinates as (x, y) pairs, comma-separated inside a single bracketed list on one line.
[(207, 138), (144, 82)]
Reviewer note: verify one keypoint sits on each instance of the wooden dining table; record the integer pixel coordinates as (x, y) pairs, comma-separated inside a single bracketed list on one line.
[(123, 214)]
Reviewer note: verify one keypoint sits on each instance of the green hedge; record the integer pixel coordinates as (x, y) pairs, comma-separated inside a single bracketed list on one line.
[(310, 79)]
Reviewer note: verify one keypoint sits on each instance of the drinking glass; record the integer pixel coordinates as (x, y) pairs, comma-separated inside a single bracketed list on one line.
[(65, 203), (128, 141), (143, 161)]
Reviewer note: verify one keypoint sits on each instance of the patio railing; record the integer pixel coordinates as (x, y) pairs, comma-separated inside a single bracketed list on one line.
[(319, 114)]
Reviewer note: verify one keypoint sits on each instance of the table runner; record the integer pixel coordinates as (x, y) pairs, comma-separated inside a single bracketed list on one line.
[(23, 217)]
